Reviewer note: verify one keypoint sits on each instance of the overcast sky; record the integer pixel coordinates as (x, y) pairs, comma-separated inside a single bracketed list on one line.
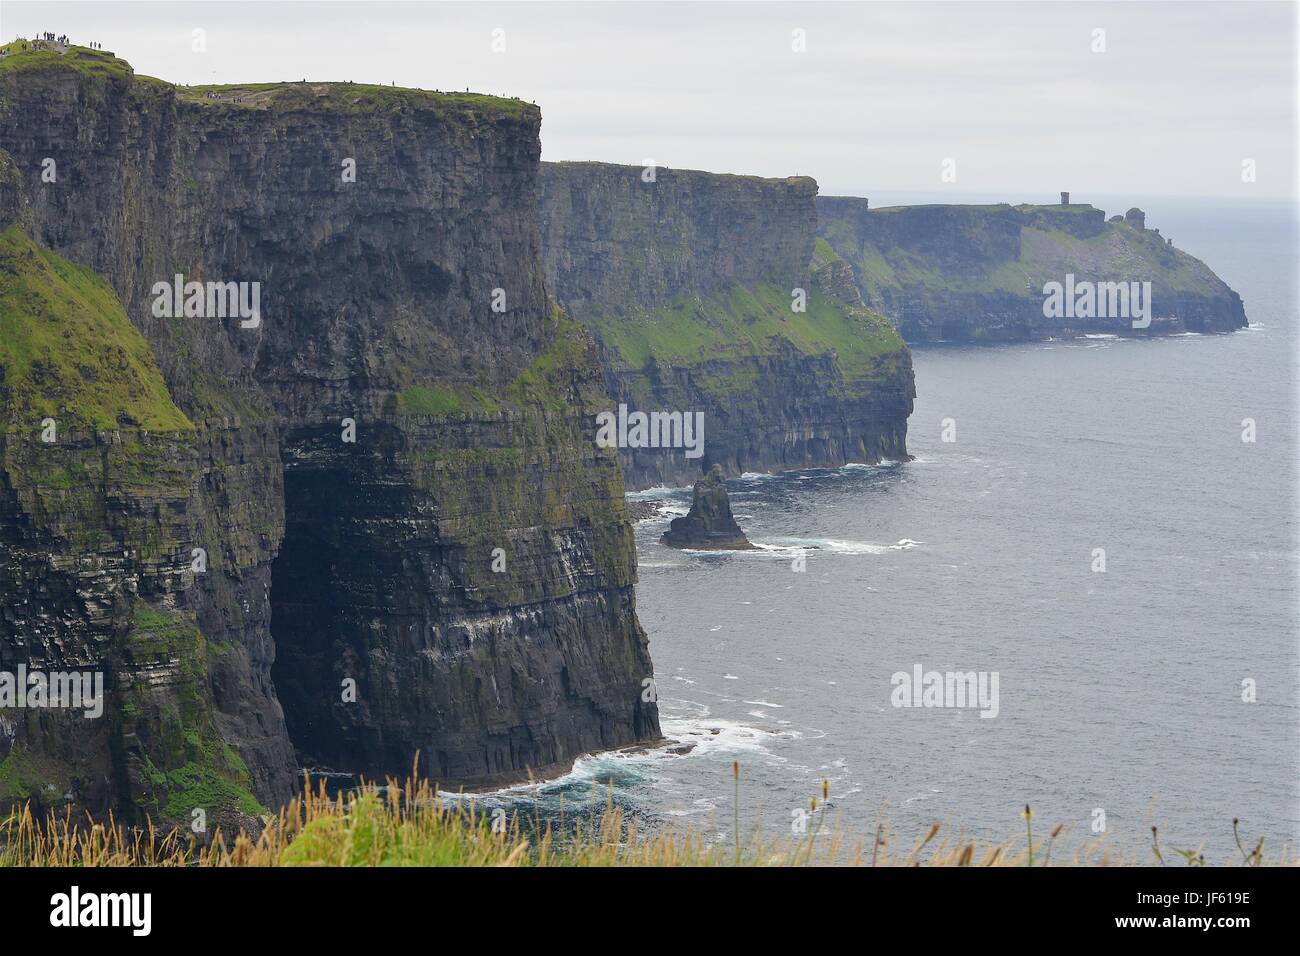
[(883, 93)]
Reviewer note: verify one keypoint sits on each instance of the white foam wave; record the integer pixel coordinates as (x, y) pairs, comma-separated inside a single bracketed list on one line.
[(696, 735), (657, 492), (714, 736), (859, 466), (789, 546)]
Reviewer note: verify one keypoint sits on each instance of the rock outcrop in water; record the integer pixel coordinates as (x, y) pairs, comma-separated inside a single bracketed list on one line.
[(709, 526), (689, 282), (371, 523), (977, 273)]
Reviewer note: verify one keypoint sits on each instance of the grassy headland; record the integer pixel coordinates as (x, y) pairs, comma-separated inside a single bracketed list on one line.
[(67, 349)]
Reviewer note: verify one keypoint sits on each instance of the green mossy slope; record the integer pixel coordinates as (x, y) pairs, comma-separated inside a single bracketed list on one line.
[(68, 351), (743, 321)]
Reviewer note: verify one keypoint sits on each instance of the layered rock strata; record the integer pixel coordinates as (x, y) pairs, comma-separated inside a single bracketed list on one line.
[(707, 296), (411, 542)]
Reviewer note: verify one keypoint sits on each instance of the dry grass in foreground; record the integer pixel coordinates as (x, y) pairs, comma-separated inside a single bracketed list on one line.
[(411, 825)]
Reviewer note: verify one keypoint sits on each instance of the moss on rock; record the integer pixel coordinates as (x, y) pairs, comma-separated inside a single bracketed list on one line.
[(183, 763), (68, 351)]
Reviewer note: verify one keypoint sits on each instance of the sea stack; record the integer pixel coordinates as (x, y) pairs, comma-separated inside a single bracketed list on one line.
[(709, 526)]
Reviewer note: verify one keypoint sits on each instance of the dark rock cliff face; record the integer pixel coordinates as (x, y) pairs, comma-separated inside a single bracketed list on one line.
[(687, 283), (608, 235), (977, 273), (105, 486), (394, 476)]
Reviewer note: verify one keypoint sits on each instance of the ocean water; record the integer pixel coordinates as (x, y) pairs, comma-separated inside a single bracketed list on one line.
[(1119, 691)]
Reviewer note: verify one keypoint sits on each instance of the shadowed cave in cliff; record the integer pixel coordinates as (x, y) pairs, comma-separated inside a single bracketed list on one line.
[(368, 588), (357, 566)]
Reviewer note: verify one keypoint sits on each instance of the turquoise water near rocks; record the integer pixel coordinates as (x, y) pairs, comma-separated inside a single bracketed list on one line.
[(1119, 691)]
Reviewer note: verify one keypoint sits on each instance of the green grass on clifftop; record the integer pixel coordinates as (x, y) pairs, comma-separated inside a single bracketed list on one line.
[(285, 95), (68, 351), (101, 63), (972, 257), (364, 98)]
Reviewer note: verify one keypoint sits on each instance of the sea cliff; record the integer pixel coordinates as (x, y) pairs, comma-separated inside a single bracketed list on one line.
[(371, 524), (689, 281)]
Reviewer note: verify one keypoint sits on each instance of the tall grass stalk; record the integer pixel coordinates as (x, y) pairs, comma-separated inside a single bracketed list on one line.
[(409, 823)]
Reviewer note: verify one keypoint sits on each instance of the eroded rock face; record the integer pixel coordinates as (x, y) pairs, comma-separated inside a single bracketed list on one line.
[(689, 283), (612, 240), (709, 526), (105, 486), (977, 273), (457, 549)]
